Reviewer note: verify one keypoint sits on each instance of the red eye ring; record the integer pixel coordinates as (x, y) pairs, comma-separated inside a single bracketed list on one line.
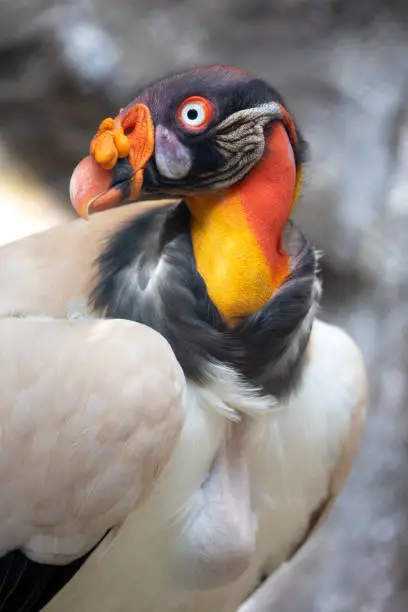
[(195, 113)]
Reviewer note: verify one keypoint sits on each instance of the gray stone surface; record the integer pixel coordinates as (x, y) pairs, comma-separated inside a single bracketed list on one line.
[(342, 66)]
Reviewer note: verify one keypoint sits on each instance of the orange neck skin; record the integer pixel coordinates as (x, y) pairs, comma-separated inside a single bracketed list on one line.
[(236, 233)]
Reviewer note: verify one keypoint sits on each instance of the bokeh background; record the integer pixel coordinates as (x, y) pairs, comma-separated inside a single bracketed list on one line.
[(342, 66)]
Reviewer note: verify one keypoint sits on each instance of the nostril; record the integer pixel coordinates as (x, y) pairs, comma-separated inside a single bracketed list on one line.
[(129, 129)]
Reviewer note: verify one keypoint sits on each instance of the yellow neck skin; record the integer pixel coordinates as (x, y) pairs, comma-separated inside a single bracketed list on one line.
[(236, 233)]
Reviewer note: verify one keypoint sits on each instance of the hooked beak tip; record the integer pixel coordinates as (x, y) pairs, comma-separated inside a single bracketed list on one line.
[(88, 182), (91, 188)]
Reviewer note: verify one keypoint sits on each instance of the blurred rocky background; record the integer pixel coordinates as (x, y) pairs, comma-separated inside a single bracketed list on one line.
[(342, 66)]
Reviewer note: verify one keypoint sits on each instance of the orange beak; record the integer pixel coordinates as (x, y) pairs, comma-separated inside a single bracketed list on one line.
[(113, 172)]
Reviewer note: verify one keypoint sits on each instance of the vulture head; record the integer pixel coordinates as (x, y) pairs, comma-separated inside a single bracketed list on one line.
[(225, 144), (201, 131)]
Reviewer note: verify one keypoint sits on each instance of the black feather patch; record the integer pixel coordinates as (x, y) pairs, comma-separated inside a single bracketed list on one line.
[(276, 337), (147, 273), (27, 586)]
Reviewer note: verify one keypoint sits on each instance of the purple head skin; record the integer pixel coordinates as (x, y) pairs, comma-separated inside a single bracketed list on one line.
[(173, 159)]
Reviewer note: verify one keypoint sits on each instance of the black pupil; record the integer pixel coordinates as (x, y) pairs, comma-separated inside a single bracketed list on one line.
[(192, 114)]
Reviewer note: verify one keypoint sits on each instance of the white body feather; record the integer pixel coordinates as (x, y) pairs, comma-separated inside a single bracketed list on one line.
[(292, 454)]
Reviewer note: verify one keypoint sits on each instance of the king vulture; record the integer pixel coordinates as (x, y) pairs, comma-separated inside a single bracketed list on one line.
[(175, 421)]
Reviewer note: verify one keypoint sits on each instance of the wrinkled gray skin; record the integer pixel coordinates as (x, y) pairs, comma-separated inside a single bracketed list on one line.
[(342, 66)]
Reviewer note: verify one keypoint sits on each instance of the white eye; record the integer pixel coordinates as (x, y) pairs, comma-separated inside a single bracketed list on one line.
[(195, 113)]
